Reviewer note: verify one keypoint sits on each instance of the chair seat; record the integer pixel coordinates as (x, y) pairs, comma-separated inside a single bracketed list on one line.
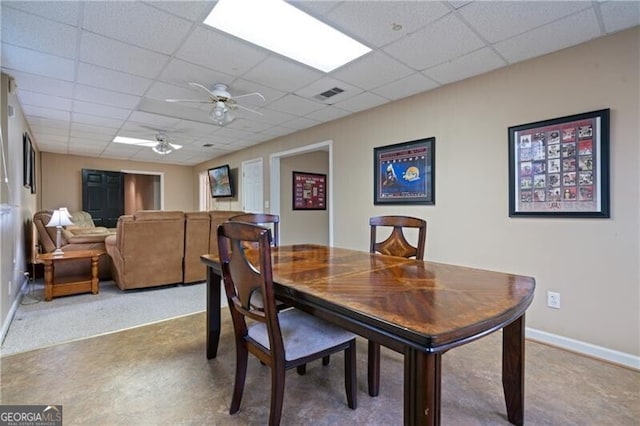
[(302, 334)]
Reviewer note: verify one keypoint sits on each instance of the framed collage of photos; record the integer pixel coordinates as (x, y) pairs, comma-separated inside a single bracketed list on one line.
[(309, 191), (560, 167), (404, 173)]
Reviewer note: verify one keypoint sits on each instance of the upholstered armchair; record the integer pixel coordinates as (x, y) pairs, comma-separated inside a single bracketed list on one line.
[(71, 242), (147, 249)]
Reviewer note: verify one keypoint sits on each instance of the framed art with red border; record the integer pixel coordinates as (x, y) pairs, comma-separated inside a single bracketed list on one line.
[(309, 191), (560, 167)]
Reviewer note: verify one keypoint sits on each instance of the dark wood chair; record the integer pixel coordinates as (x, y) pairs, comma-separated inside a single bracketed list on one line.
[(279, 339), (395, 244), (267, 220)]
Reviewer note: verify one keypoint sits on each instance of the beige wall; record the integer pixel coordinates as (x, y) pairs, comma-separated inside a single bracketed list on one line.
[(593, 263), (302, 226), (62, 180), (18, 205)]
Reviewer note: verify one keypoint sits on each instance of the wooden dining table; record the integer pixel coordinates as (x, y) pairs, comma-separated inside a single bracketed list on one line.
[(420, 309)]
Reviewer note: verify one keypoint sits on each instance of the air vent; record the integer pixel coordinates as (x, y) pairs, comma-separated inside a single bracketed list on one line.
[(329, 93)]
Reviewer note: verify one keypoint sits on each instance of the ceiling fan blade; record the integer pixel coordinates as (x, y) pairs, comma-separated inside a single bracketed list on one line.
[(174, 146), (248, 109), (250, 94), (195, 101), (200, 86)]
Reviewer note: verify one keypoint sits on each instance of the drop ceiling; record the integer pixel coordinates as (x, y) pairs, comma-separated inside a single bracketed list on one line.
[(88, 71)]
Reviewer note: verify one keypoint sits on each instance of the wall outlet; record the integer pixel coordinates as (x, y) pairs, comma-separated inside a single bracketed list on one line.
[(553, 299)]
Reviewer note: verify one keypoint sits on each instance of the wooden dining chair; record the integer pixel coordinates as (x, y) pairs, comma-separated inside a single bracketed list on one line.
[(279, 339), (268, 220), (395, 244)]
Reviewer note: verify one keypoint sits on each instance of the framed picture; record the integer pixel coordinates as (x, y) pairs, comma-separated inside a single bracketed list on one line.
[(33, 170), (27, 164), (220, 181), (309, 191), (404, 173), (560, 167)]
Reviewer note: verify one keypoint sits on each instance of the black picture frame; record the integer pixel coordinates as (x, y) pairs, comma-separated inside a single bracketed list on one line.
[(309, 191), (221, 181), (404, 173), (33, 170), (560, 167), (27, 162)]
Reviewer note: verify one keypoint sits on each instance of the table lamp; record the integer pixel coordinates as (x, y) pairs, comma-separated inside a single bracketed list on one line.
[(59, 218)]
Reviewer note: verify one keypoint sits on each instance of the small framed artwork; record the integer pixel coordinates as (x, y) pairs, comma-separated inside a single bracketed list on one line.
[(309, 191), (404, 173), (560, 167), (27, 162)]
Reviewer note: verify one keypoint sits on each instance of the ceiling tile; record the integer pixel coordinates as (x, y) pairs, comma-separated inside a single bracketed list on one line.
[(563, 33), (44, 85), (618, 15), (296, 105), (116, 55), (361, 102), (44, 101), (105, 97), (93, 75), (79, 128), (372, 70), (96, 120), (378, 26), (43, 35), (192, 10), (410, 85), (206, 47), (474, 63), (100, 110), (282, 74), (53, 114), (300, 123), (136, 23), (328, 113), (17, 58), (181, 73), (497, 21), (66, 12), (441, 41), (159, 121)]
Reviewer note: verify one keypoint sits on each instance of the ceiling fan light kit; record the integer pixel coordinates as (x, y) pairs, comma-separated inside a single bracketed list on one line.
[(223, 102), (160, 145)]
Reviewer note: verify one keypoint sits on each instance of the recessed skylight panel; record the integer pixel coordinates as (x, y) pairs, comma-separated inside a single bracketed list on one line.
[(286, 30)]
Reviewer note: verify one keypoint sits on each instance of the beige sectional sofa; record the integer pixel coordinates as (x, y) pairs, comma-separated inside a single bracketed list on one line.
[(154, 248)]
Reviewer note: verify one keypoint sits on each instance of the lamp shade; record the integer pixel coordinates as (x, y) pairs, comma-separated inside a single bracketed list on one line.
[(59, 218)]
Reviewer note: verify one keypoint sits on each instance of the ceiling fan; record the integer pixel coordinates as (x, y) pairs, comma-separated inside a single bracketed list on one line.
[(160, 144), (223, 102)]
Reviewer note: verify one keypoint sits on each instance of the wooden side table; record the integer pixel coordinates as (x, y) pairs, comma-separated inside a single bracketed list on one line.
[(72, 284)]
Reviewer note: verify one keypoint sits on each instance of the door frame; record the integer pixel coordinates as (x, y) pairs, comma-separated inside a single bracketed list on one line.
[(274, 179), (146, 172)]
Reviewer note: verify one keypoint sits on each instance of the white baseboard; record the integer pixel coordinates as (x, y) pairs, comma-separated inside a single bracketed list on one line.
[(6, 323), (610, 355)]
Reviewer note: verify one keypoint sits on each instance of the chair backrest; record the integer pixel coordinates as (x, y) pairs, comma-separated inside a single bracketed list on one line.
[(396, 244), (272, 220), (246, 274)]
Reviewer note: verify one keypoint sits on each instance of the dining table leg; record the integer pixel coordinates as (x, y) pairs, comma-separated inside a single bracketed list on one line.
[(513, 370), (213, 312), (422, 382)]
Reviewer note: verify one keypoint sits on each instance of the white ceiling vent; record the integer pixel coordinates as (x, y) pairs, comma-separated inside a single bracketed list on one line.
[(329, 93)]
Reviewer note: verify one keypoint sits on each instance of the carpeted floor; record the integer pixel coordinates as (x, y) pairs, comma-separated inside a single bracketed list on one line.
[(38, 324), (159, 375)]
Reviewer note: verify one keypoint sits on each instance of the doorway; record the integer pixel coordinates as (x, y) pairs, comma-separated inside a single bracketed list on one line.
[(275, 178)]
